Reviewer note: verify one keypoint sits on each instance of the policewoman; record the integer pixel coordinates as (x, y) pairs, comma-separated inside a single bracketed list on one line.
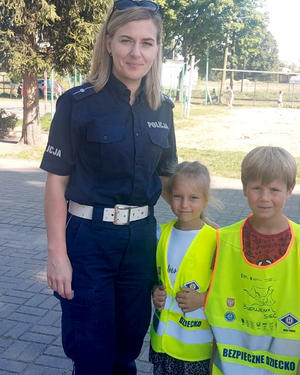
[(110, 142)]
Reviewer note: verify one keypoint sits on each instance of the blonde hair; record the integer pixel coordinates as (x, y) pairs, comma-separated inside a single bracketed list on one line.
[(267, 163), (194, 172), (102, 62)]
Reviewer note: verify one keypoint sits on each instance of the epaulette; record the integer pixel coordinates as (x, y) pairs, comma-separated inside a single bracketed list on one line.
[(167, 100), (80, 92)]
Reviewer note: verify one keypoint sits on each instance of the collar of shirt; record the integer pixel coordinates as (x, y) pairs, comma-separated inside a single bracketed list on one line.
[(120, 92)]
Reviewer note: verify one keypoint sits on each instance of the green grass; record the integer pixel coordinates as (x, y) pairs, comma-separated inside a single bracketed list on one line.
[(45, 122), (34, 153), (220, 163)]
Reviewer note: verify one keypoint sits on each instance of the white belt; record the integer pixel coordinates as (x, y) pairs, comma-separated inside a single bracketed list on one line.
[(121, 214)]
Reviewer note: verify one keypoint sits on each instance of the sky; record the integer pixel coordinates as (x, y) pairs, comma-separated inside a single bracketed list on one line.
[(284, 25)]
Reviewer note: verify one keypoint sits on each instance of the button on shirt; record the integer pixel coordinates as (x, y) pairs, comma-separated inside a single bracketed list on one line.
[(113, 152)]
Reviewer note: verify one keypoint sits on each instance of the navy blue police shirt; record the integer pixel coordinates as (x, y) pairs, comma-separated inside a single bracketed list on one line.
[(112, 151)]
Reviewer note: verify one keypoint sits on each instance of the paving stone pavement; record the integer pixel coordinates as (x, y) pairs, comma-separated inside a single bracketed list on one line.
[(30, 342)]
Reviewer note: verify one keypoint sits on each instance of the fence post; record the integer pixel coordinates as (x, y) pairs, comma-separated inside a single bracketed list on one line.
[(190, 87)]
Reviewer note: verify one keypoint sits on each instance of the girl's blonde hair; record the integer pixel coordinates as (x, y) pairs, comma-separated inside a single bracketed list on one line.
[(197, 173), (192, 171), (266, 164), (102, 62)]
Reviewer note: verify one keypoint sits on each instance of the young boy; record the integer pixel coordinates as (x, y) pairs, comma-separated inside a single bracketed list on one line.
[(253, 304)]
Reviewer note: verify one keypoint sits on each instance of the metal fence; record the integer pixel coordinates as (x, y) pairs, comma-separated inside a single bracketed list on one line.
[(256, 93), (5, 85)]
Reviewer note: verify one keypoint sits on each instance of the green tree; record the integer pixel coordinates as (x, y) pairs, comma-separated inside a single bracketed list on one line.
[(190, 24), (267, 56), (43, 34), (233, 26)]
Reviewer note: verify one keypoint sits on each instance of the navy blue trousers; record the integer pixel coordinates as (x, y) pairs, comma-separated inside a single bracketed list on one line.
[(103, 327)]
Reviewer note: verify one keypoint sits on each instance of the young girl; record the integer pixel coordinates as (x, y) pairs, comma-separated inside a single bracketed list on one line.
[(181, 339), (280, 99)]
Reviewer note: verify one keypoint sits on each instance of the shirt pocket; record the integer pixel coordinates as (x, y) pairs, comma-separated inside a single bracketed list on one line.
[(159, 137), (107, 143), (159, 142)]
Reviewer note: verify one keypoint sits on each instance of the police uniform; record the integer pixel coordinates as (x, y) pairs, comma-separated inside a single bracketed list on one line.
[(114, 154)]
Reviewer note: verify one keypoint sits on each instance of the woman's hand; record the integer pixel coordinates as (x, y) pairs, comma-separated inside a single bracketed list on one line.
[(59, 270), (59, 274)]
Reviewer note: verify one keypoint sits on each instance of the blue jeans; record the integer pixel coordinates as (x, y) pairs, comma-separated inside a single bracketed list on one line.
[(103, 327)]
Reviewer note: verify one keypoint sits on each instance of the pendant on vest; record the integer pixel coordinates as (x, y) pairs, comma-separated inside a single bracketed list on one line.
[(192, 285)]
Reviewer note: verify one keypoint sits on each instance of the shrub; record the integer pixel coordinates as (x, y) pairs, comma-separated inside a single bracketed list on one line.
[(7, 123)]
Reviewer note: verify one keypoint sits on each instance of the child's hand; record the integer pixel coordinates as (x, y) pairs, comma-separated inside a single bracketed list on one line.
[(159, 297), (190, 300)]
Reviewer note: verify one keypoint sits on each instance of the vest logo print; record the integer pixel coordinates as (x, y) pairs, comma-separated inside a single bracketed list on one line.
[(192, 285), (260, 359), (230, 302), (229, 316), (262, 301), (189, 323), (289, 320)]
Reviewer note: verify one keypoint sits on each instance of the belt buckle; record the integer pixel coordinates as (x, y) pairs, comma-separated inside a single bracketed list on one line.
[(118, 208)]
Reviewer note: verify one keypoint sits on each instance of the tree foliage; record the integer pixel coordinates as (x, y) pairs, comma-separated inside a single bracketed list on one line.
[(267, 57), (38, 35), (191, 26)]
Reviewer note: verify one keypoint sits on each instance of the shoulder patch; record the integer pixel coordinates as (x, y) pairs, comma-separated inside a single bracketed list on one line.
[(80, 92), (166, 99)]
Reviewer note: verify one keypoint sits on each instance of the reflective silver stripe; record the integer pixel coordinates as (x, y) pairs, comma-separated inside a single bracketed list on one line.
[(196, 314), (180, 333), (168, 303), (160, 328), (236, 369), (189, 336), (284, 347)]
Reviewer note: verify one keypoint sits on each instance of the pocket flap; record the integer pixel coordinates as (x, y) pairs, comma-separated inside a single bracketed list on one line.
[(105, 134), (160, 138)]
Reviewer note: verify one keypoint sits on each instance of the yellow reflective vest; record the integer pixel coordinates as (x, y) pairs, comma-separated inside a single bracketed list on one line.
[(254, 311), (184, 336)]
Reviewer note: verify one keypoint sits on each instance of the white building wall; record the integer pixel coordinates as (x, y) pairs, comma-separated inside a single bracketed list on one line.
[(171, 70)]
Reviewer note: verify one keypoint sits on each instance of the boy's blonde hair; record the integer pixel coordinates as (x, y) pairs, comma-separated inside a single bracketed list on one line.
[(266, 164), (102, 62)]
